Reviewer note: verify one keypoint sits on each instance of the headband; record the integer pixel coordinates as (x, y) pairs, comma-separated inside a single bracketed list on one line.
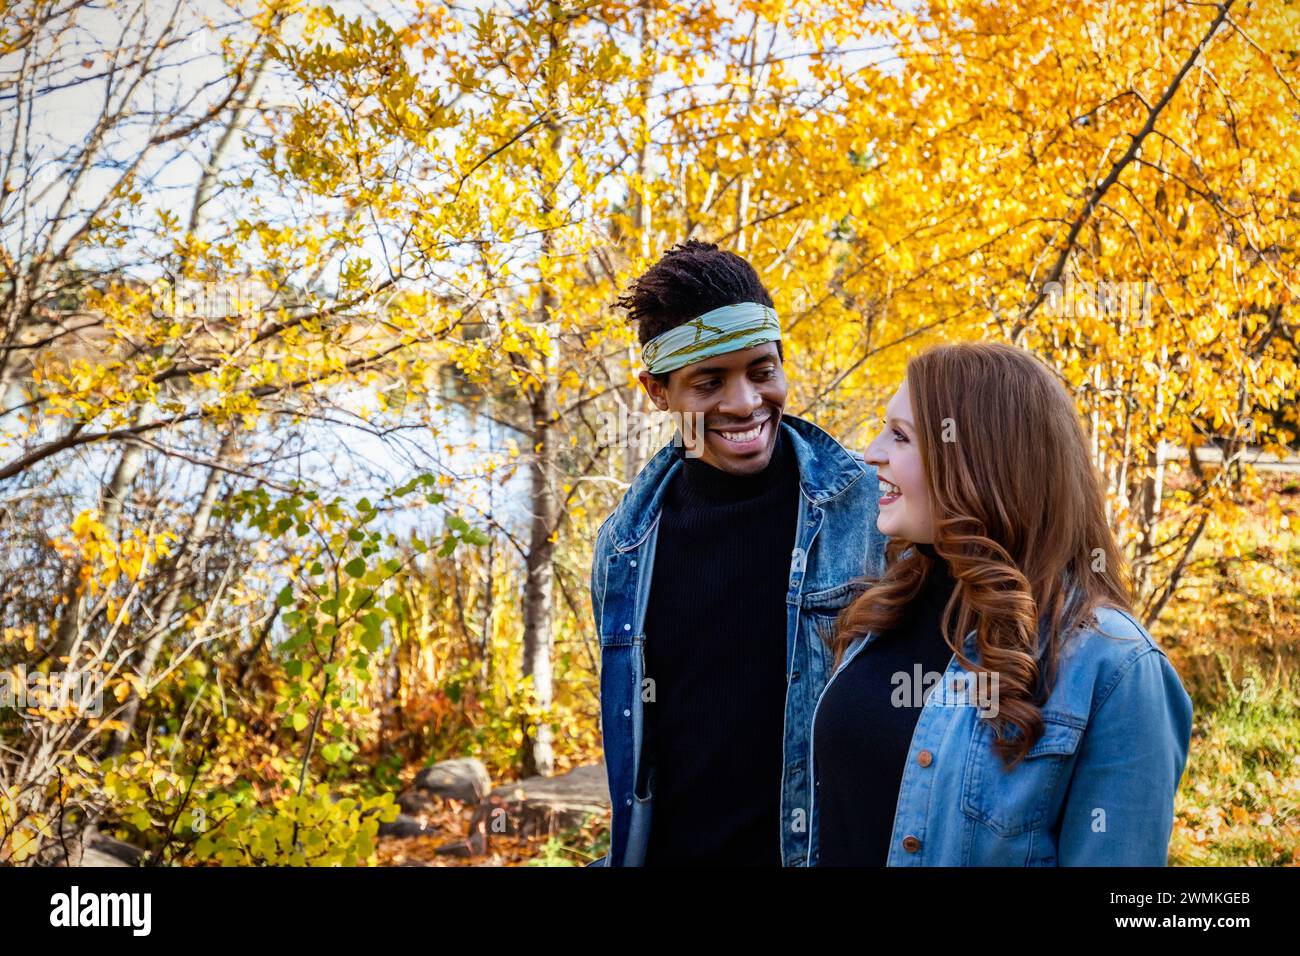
[(728, 329)]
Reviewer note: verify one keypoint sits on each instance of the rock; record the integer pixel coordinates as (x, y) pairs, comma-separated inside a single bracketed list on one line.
[(124, 853), (405, 826), (92, 857), (546, 805), (96, 849), (415, 801), (464, 779), (461, 849)]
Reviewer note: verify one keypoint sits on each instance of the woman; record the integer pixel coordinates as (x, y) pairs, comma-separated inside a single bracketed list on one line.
[(1054, 733)]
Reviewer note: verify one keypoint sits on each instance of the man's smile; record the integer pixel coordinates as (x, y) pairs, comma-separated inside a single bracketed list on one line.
[(744, 438)]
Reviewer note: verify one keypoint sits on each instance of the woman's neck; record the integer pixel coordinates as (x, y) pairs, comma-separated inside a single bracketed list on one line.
[(939, 579)]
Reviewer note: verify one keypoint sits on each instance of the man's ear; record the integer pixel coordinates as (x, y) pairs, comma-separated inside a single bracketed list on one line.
[(658, 394)]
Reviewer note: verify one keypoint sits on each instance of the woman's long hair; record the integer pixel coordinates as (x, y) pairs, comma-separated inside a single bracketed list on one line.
[(1019, 515)]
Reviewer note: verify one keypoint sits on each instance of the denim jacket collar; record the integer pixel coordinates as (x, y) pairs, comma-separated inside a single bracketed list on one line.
[(826, 468)]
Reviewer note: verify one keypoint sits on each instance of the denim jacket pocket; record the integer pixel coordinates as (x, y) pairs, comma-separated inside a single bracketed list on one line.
[(821, 611), (640, 817), (645, 788), (1028, 796)]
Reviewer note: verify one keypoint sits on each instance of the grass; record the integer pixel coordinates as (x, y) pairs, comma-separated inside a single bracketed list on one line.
[(1234, 636), (575, 847), (1239, 803)]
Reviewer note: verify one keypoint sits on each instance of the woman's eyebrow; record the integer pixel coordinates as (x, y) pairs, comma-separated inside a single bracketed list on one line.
[(899, 421)]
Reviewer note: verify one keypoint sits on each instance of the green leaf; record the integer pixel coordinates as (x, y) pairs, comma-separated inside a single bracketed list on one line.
[(372, 634), (356, 567)]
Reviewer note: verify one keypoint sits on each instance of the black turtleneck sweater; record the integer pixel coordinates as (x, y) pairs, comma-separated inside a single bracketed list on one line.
[(861, 738), (715, 650)]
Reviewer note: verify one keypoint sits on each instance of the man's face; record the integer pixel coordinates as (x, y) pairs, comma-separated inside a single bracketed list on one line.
[(738, 398)]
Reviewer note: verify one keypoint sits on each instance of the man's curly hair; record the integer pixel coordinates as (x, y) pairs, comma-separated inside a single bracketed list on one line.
[(692, 278)]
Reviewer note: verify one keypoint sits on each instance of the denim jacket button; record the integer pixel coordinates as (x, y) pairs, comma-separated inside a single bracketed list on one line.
[(924, 758), (627, 627), (911, 844), (634, 562)]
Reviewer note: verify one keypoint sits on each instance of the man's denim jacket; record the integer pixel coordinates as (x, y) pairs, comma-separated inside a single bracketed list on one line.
[(836, 545), (1097, 789)]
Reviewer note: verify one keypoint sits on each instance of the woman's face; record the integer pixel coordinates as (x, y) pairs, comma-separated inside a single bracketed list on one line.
[(904, 498)]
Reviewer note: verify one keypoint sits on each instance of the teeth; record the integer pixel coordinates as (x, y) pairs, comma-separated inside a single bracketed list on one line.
[(886, 488), (742, 436)]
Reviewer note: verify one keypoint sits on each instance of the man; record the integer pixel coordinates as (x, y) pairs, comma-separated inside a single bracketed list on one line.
[(716, 581)]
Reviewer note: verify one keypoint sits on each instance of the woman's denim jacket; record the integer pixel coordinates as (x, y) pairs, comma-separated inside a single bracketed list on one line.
[(1097, 789), (836, 544)]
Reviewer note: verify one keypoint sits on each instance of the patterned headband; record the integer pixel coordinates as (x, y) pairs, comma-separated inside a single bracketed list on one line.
[(728, 329)]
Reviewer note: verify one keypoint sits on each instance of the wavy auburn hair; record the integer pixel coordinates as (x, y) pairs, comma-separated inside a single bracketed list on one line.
[(1019, 514)]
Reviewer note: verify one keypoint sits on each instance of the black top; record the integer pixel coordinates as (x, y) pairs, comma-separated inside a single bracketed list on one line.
[(715, 651), (865, 722)]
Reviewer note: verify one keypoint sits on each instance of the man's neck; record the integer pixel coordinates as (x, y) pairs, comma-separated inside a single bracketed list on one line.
[(709, 481)]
